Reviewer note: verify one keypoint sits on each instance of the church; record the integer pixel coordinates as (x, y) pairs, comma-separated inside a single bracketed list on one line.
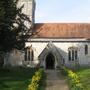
[(52, 44)]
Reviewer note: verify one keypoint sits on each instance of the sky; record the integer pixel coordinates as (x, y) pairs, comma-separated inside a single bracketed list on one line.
[(57, 11)]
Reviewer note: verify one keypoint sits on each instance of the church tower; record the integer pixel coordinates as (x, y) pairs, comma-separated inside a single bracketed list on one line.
[(29, 10)]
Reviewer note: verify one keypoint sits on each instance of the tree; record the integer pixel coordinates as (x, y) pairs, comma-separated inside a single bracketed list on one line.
[(13, 31)]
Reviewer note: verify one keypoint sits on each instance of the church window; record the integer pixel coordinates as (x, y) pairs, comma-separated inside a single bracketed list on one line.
[(32, 55), (76, 54), (86, 49), (29, 54), (69, 55), (72, 54)]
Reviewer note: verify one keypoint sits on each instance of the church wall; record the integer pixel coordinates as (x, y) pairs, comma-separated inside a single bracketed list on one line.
[(83, 60), (37, 48), (14, 58)]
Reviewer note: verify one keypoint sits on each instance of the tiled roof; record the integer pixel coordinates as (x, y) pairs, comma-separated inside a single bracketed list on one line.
[(62, 30)]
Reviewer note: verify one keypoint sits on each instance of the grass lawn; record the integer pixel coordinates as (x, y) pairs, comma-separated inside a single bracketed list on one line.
[(15, 79), (84, 75)]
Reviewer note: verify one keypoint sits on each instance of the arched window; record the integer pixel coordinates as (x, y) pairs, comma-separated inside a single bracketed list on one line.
[(29, 54), (32, 55), (86, 49), (72, 54), (76, 54), (69, 55)]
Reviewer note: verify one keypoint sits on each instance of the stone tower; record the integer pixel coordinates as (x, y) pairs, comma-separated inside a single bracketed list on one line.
[(29, 10)]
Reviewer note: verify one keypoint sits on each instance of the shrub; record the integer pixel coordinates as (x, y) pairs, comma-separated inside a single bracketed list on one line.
[(73, 79), (35, 80)]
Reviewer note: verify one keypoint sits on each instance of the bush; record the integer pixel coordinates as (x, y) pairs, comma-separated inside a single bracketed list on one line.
[(73, 79), (35, 80)]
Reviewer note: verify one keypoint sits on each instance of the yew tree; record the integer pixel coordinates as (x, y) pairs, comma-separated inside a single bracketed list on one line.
[(13, 31)]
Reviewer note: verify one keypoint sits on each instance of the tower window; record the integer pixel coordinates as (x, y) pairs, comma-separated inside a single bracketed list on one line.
[(86, 49)]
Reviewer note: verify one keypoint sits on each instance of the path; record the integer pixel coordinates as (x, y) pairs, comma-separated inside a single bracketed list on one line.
[(54, 82)]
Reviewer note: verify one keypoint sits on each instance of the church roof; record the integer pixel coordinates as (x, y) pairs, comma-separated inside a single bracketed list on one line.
[(61, 30)]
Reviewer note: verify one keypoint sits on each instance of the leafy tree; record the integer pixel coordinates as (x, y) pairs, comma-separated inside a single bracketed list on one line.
[(13, 31)]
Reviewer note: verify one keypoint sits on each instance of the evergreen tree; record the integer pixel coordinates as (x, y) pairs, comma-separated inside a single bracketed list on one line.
[(12, 28)]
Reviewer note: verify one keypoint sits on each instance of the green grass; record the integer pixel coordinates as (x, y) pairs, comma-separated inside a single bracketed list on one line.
[(84, 75), (15, 78)]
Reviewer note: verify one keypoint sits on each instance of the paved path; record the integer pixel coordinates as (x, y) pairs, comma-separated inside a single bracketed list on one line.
[(55, 81)]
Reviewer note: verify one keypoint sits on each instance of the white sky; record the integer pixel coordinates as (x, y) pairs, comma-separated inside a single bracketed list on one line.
[(62, 11)]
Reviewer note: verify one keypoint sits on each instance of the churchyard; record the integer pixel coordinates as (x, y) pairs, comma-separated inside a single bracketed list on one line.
[(22, 78)]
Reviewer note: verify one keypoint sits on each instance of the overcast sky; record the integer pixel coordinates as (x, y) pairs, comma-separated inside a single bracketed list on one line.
[(62, 11)]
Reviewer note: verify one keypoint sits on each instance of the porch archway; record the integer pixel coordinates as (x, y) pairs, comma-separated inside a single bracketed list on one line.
[(50, 61)]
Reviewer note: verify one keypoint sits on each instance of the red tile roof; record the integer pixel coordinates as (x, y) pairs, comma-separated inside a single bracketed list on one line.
[(62, 30)]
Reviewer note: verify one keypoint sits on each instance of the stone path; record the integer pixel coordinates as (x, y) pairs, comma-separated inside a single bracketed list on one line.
[(55, 81)]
